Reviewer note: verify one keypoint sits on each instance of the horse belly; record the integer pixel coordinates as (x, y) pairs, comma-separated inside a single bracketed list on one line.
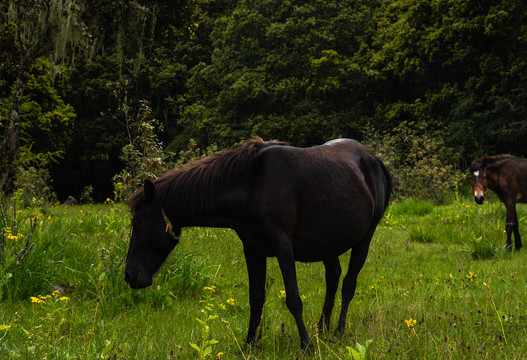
[(325, 239)]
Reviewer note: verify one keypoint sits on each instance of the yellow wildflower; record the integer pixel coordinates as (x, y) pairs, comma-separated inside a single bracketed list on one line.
[(64, 298), (36, 300), (282, 294), (209, 288), (12, 237), (231, 301), (410, 323)]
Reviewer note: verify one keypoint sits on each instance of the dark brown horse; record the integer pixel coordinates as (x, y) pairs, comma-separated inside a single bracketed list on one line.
[(507, 177), (294, 204)]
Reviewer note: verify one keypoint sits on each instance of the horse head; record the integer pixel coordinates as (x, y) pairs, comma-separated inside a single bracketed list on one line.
[(478, 179), (153, 237)]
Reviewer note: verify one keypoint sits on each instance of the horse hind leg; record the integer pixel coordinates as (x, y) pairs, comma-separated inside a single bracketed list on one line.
[(333, 272), (357, 260)]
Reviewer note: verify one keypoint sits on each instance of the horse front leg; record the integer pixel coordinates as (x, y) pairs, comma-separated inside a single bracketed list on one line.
[(511, 225), (257, 269), (286, 261), (517, 237), (357, 259), (333, 272)]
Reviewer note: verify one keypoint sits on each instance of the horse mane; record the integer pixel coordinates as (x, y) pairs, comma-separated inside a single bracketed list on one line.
[(494, 159), (195, 188)]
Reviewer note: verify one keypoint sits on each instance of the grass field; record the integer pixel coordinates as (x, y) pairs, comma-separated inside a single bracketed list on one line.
[(437, 284)]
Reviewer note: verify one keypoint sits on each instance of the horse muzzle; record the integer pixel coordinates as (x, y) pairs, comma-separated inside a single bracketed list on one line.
[(479, 199), (137, 279)]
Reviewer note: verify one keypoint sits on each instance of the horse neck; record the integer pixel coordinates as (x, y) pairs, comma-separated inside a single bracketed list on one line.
[(200, 201), (227, 211), (493, 173)]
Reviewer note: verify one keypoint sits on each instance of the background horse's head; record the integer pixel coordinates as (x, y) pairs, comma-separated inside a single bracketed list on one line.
[(153, 237), (478, 179)]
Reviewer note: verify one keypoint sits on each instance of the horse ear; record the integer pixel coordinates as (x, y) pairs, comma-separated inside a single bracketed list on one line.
[(150, 190)]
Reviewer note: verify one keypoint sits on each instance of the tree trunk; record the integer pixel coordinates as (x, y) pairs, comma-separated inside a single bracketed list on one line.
[(9, 148)]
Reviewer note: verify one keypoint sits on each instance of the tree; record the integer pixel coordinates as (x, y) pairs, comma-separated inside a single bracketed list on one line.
[(31, 29), (64, 29), (460, 62), (280, 69)]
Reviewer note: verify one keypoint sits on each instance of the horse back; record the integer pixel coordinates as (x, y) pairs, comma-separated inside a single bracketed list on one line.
[(512, 180), (339, 166), (338, 190)]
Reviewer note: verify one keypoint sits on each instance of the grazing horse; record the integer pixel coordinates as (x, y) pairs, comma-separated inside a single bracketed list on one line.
[(295, 204), (506, 175)]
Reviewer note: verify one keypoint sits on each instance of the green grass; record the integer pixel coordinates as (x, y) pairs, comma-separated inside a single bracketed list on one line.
[(464, 306)]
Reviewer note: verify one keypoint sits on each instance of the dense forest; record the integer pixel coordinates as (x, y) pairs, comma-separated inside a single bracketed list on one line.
[(116, 90)]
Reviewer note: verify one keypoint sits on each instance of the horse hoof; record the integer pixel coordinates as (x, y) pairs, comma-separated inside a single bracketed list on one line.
[(339, 331), (307, 347)]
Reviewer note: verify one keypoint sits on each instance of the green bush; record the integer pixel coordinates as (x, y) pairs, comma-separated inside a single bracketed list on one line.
[(143, 156), (421, 162), (36, 185)]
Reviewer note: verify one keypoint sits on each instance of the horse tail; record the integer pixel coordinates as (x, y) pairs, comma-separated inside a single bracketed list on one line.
[(381, 184), (389, 186)]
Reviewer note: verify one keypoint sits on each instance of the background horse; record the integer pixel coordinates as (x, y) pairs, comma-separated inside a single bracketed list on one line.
[(294, 204), (507, 177)]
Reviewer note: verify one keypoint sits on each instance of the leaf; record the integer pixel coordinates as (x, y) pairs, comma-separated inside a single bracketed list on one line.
[(195, 347), (207, 351), (354, 353), (363, 349), (107, 349)]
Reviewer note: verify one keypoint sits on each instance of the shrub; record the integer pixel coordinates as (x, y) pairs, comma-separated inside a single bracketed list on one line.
[(421, 162), (15, 237), (36, 185), (143, 156)]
